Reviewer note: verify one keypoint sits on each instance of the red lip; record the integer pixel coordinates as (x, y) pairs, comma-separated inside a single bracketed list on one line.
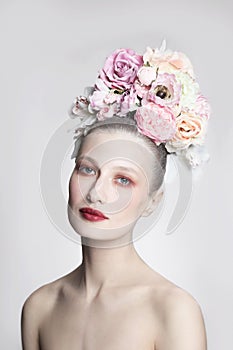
[(95, 213)]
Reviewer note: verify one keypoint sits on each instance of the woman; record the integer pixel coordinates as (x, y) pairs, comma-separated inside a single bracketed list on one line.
[(114, 300)]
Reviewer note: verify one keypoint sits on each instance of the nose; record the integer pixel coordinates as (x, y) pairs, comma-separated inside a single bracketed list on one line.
[(98, 192)]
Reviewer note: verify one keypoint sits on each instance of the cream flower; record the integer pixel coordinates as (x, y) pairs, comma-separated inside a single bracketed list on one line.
[(168, 61), (190, 90), (155, 56)]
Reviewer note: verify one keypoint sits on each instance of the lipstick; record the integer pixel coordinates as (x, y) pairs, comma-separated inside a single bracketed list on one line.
[(92, 214)]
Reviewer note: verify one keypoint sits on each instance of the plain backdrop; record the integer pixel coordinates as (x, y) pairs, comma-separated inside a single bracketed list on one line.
[(51, 50)]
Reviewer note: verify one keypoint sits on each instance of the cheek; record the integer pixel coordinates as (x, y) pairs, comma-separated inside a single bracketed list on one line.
[(78, 188), (74, 190), (137, 204)]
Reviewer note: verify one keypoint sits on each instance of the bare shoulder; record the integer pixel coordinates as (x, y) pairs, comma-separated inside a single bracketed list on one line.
[(35, 309), (180, 305), (40, 300), (180, 318), (45, 297)]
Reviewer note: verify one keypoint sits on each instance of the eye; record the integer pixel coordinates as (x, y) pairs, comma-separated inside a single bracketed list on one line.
[(84, 169), (125, 182)]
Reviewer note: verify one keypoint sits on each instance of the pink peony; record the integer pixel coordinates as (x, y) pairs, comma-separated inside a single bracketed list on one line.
[(156, 122), (202, 107), (120, 69)]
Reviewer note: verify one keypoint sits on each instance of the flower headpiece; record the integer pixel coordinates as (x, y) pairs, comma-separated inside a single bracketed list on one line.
[(161, 94)]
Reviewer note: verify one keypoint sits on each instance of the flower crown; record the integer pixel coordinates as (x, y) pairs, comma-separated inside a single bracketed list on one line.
[(161, 94)]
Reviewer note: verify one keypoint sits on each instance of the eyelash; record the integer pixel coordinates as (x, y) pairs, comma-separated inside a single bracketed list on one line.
[(130, 182)]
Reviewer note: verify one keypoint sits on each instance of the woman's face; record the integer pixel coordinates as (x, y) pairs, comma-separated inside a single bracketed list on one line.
[(112, 175)]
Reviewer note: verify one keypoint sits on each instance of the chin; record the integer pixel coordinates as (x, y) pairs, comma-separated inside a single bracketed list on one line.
[(99, 231)]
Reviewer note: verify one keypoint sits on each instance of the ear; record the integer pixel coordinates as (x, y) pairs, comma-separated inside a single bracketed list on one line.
[(153, 202)]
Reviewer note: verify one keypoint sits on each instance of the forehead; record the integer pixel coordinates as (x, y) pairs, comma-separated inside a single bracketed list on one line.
[(118, 148)]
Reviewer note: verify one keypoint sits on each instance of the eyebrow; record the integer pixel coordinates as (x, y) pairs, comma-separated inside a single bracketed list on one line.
[(120, 167)]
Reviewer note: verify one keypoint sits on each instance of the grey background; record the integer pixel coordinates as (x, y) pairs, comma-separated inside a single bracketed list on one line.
[(50, 50)]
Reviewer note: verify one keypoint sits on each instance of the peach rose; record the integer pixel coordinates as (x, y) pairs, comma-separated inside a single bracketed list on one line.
[(190, 129)]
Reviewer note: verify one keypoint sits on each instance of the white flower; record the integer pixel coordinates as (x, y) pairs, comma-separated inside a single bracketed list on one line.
[(146, 75), (167, 61), (196, 155), (190, 90), (79, 108), (155, 56)]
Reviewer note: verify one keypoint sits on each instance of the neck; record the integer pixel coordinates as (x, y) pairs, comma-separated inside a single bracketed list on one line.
[(105, 267)]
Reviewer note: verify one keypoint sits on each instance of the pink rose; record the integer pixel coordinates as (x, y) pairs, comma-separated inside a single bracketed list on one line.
[(146, 75), (165, 91), (120, 69), (156, 122)]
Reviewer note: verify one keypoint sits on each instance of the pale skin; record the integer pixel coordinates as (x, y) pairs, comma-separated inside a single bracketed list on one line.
[(113, 300)]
